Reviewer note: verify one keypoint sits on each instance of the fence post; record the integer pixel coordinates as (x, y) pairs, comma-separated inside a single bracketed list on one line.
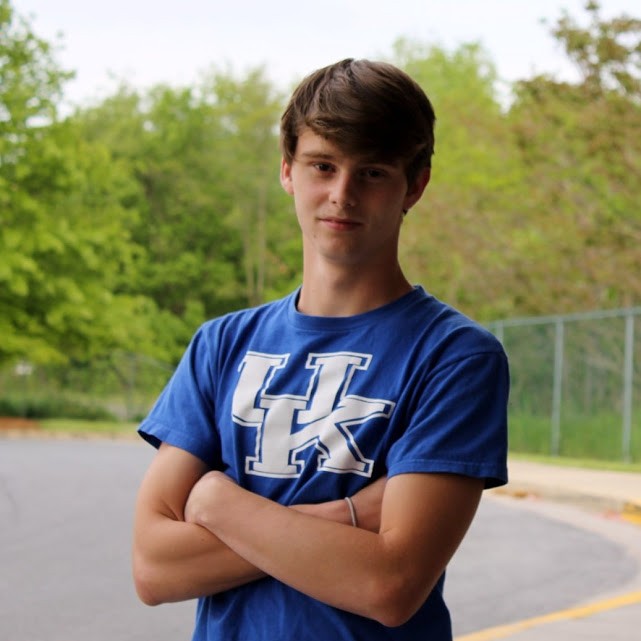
[(628, 374), (557, 383)]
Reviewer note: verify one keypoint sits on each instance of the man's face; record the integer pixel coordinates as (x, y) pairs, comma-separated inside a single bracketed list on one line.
[(350, 208)]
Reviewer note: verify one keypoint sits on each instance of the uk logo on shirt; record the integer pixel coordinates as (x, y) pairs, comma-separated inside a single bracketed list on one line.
[(288, 424)]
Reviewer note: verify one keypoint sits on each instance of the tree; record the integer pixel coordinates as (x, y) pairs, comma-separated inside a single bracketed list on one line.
[(451, 239), (574, 243), (607, 53), (215, 223), (248, 109), (65, 252)]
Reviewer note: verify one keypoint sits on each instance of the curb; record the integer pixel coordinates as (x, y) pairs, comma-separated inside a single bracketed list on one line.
[(522, 490), (628, 510), (632, 512)]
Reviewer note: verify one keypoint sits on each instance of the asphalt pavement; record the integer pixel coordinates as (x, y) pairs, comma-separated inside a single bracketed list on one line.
[(616, 498)]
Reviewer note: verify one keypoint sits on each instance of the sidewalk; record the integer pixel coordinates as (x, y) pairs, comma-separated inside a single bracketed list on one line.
[(597, 489), (618, 494)]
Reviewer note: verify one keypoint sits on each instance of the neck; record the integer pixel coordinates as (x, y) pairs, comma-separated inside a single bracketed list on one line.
[(338, 292)]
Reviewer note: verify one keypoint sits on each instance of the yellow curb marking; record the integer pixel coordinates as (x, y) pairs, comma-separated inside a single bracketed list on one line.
[(632, 512), (503, 631)]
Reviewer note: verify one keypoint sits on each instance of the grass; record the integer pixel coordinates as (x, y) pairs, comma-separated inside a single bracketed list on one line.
[(587, 463), (79, 427), (583, 437)]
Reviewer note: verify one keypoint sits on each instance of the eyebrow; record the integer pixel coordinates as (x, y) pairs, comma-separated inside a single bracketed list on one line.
[(324, 155)]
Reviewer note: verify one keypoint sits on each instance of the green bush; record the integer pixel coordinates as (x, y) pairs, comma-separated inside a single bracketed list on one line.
[(51, 407)]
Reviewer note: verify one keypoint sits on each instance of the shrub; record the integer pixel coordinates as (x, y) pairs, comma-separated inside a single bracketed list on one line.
[(51, 407)]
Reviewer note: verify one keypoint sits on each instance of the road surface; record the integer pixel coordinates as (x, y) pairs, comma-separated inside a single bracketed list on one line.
[(65, 528)]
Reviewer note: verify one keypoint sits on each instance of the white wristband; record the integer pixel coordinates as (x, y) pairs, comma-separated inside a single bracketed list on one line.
[(352, 511)]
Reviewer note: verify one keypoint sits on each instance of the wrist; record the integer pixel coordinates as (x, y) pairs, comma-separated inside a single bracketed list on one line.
[(207, 499), (353, 518), (336, 511)]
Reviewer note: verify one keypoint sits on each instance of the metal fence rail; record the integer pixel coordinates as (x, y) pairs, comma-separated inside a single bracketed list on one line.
[(576, 383)]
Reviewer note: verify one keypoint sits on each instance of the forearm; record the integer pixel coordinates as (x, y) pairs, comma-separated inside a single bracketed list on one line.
[(176, 561), (340, 551), (333, 562), (383, 575)]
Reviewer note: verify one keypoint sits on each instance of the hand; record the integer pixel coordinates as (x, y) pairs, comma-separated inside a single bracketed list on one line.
[(200, 505)]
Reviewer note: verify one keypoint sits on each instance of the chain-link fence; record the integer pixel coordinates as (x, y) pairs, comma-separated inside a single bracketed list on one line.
[(576, 384), (121, 387)]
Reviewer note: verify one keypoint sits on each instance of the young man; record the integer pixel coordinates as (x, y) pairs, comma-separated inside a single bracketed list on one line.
[(321, 457)]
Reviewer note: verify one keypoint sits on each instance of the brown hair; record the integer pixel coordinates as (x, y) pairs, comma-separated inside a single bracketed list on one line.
[(368, 108)]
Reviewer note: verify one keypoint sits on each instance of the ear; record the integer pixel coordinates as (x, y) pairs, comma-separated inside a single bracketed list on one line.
[(286, 177), (416, 189)]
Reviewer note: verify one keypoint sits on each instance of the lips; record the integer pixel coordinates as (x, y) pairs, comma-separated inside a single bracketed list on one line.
[(340, 224)]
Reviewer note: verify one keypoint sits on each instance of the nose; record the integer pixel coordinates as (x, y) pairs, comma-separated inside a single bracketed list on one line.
[(343, 192)]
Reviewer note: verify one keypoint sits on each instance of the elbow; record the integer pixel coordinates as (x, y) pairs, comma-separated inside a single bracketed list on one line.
[(394, 619), (146, 583), (146, 593), (394, 613), (395, 601)]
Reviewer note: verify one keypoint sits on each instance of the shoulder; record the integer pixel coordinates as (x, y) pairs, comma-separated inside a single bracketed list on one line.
[(450, 334)]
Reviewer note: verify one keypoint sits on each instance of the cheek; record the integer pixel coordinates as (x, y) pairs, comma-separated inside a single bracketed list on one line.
[(308, 196)]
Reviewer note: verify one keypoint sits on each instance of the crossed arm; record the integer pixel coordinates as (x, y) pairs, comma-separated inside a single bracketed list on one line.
[(175, 560), (196, 533)]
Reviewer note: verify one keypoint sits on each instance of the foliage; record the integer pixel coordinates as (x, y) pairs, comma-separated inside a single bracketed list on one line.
[(606, 52), (127, 224), (65, 250), (576, 238), (213, 219), (30, 81), (450, 241), (37, 407)]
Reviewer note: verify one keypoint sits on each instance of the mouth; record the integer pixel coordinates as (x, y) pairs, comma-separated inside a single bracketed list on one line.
[(340, 224)]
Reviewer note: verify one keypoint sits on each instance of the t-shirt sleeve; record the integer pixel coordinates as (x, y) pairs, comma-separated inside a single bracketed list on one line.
[(183, 415), (459, 422)]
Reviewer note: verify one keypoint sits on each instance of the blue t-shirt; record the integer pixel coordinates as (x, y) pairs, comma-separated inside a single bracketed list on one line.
[(303, 409)]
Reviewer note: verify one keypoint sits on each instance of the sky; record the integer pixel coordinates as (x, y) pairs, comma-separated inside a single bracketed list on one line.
[(147, 42)]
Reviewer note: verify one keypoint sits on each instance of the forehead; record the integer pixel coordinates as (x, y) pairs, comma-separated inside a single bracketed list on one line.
[(312, 145)]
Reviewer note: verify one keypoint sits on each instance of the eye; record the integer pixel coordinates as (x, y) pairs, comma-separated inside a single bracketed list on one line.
[(322, 166), (373, 173)]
